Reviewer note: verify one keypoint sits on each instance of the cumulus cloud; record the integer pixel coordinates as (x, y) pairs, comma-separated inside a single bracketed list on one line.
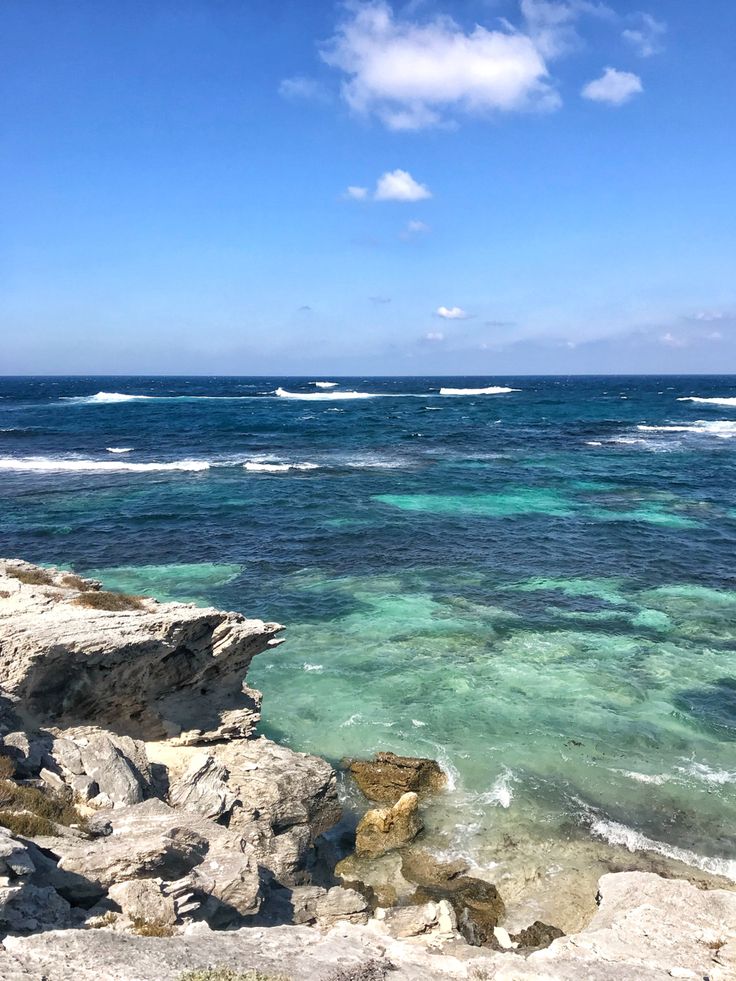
[(356, 193), (452, 313), (300, 87), (613, 87), (646, 37), (412, 74), (399, 185)]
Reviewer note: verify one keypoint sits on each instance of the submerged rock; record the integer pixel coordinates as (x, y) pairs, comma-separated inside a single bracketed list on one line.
[(387, 776), (387, 828)]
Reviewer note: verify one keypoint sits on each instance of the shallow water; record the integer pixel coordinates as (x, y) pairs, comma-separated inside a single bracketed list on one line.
[(535, 587)]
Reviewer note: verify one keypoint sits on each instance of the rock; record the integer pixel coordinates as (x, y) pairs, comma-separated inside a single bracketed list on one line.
[(144, 899), (339, 905), (421, 867), (146, 671), (203, 788), (503, 939), (537, 935), (387, 776), (279, 801), (414, 921), (387, 828), (24, 904), (477, 904)]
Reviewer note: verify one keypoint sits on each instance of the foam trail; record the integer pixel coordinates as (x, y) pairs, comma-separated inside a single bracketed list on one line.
[(314, 396), (722, 428), (491, 390), (325, 384), (715, 401), (619, 834), (50, 464), (264, 466), (113, 398)]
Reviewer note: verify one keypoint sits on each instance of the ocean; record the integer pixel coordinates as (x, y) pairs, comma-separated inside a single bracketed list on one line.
[(534, 585)]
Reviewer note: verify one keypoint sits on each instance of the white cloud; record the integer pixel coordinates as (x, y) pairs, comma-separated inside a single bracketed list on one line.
[(299, 87), (708, 316), (646, 37), (399, 185), (434, 335), (613, 87), (411, 74), (356, 193), (452, 313), (414, 228), (671, 341)]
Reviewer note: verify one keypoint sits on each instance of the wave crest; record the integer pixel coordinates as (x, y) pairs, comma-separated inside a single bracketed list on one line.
[(490, 390)]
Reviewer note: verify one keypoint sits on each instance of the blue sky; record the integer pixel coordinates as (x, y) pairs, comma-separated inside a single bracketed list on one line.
[(477, 186)]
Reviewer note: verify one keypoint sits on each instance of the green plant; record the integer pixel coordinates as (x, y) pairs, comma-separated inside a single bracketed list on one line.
[(227, 974), (31, 577), (99, 599), (26, 825), (152, 928), (18, 800)]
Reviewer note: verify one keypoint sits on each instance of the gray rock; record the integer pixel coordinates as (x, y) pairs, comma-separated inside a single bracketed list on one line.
[(146, 672), (24, 904), (203, 788), (144, 899)]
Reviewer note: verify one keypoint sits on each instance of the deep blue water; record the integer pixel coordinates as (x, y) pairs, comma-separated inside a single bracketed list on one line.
[(529, 585)]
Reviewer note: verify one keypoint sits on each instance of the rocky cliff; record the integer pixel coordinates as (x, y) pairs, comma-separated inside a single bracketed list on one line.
[(139, 816)]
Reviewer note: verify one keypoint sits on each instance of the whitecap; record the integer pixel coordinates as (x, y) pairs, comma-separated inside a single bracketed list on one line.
[(353, 720), (620, 834), (50, 464), (312, 667), (313, 396), (701, 771), (656, 779), (500, 793), (491, 390), (325, 384), (418, 724), (721, 428), (593, 442), (714, 401), (268, 466), (119, 449), (105, 397)]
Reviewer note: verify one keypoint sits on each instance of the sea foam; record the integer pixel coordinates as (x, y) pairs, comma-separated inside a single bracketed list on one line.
[(42, 463), (491, 390), (722, 428), (316, 396), (325, 384), (713, 401)]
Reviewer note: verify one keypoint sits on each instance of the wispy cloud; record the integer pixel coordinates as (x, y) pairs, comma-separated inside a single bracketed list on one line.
[(434, 336), (613, 87), (414, 229), (452, 313), (647, 36), (302, 88), (380, 299), (412, 74), (394, 185)]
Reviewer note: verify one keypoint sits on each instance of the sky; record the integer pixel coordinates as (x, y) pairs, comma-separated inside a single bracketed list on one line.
[(476, 187)]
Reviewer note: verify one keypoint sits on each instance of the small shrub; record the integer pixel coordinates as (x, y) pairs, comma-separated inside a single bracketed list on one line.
[(4, 594), (49, 807), (227, 974), (100, 599), (152, 928), (7, 767), (102, 921), (26, 825), (372, 970), (31, 577), (72, 581)]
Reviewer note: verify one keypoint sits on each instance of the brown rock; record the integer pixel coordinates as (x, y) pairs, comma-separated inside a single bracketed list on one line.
[(422, 868), (537, 935), (477, 904), (387, 776), (386, 828)]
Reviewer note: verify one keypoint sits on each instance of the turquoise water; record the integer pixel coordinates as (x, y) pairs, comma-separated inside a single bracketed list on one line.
[(535, 587)]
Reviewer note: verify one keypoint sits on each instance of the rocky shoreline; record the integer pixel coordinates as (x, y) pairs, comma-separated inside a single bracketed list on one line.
[(146, 832)]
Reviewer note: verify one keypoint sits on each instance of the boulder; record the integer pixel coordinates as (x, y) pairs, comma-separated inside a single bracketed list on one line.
[(144, 899), (477, 905), (387, 828), (537, 936), (203, 788), (26, 905), (413, 921), (387, 776)]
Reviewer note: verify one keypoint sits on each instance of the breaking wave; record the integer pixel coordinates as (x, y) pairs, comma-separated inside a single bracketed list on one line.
[(722, 428), (491, 390), (42, 463), (272, 466), (714, 401), (325, 384), (119, 449), (316, 396)]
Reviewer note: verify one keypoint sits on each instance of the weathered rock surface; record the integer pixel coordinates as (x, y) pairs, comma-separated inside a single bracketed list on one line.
[(387, 828), (26, 904), (387, 776), (144, 672)]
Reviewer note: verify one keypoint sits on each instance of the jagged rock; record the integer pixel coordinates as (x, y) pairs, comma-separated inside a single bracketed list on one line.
[(278, 800), (338, 904), (203, 788), (421, 867), (24, 904), (387, 776), (116, 765), (27, 750), (145, 672), (413, 921), (144, 899), (387, 828), (477, 904), (537, 935)]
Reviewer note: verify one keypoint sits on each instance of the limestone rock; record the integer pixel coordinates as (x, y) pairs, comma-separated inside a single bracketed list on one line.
[(145, 672), (144, 899), (414, 921), (537, 935), (24, 904), (203, 788), (387, 828), (477, 904), (387, 776)]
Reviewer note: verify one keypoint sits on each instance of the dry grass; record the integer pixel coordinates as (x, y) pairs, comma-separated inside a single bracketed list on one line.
[(30, 811), (227, 974), (7, 767), (372, 970), (72, 581), (152, 928), (100, 599), (31, 577), (100, 922)]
